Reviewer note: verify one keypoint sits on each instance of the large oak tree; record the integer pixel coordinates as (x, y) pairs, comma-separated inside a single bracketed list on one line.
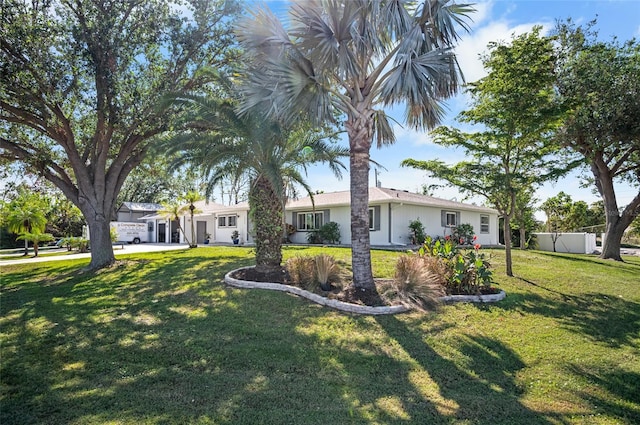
[(81, 83)]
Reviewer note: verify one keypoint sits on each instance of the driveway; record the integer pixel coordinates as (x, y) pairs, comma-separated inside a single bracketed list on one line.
[(117, 250)]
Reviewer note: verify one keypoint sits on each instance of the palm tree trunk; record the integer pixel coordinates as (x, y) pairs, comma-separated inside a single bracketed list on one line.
[(360, 130), (360, 238), (266, 214)]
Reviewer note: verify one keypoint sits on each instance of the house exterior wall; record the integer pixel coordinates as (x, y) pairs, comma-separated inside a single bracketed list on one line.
[(394, 222), (223, 234)]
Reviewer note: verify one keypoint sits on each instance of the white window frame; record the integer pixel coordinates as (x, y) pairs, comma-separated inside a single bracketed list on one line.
[(316, 217), (448, 214), (485, 227), (372, 219)]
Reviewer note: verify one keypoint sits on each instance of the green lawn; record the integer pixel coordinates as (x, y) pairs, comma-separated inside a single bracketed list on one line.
[(158, 339)]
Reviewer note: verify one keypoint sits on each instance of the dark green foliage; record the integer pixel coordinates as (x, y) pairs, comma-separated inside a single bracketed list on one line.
[(418, 234), (330, 233), (463, 234)]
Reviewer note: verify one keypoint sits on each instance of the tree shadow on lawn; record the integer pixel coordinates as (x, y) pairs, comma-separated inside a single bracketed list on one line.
[(171, 344), (601, 317), (485, 389), (618, 390), (634, 267)]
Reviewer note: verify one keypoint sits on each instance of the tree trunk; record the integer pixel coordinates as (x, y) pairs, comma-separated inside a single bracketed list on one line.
[(360, 238), (507, 244), (194, 242), (266, 214), (100, 240), (523, 235), (615, 222), (360, 130)]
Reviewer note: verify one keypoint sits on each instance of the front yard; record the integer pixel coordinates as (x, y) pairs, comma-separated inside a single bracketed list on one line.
[(158, 339)]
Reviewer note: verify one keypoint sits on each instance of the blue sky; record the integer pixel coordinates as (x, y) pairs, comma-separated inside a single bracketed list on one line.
[(493, 21)]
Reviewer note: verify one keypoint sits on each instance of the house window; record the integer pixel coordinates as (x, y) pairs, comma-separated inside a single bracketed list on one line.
[(451, 219), (484, 223), (227, 221), (372, 219), (310, 220)]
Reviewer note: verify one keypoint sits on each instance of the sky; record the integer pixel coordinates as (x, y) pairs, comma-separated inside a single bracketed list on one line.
[(495, 20)]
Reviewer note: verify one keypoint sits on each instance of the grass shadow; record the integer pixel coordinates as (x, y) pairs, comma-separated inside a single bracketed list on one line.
[(489, 375)]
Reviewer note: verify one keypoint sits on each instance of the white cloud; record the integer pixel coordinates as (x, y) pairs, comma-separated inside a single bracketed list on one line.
[(408, 136), (485, 29)]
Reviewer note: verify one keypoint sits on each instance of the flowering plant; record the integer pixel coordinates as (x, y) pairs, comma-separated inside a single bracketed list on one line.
[(466, 271)]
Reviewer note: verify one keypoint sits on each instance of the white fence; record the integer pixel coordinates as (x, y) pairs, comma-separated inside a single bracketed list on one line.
[(574, 243)]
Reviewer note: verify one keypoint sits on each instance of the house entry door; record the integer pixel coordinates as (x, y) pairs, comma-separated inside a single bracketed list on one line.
[(162, 232), (201, 230)]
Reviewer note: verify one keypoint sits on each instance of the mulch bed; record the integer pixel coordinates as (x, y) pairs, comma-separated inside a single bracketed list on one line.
[(350, 294)]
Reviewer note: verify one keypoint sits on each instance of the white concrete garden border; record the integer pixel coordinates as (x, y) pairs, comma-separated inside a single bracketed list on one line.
[(348, 307), (491, 298), (338, 305)]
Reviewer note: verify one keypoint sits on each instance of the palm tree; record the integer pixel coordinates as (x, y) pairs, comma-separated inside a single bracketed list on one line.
[(191, 197), (26, 214), (355, 58), (224, 144), (172, 212), (37, 238)]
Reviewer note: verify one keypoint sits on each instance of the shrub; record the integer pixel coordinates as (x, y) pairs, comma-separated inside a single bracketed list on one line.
[(327, 271), (415, 283), (313, 237), (417, 232), (301, 271), (465, 271), (463, 234), (330, 233), (313, 273)]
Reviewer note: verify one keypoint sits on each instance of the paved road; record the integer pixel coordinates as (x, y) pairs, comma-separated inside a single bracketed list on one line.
[(117, 250)]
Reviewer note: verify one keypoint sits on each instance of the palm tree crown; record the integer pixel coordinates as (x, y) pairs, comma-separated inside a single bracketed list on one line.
[(222, 143)]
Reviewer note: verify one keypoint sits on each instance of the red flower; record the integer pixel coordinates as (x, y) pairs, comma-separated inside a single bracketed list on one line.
[(477, 246), (461, 240), (475, 237), (447, 237)]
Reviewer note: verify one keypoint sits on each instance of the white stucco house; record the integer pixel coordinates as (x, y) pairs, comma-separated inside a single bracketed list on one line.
[(390, 212)]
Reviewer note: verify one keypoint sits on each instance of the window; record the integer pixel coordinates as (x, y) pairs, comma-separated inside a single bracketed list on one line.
[(310, 220), (484, 223), (150, 226), (372, 219), (227, 221), (451, 219)]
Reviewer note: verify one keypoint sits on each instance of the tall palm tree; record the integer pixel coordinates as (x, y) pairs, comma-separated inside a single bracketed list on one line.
[(223, 143), (27, 214), (355, 58), (191, 197)]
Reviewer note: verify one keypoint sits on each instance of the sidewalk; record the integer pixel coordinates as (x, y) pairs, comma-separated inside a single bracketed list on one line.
[(117, 250)]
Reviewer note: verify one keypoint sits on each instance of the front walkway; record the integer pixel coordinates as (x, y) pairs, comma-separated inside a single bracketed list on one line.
[(117, 250)]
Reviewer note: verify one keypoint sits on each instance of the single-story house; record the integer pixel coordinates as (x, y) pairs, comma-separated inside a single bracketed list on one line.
[(213, 222), (390, 212)]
